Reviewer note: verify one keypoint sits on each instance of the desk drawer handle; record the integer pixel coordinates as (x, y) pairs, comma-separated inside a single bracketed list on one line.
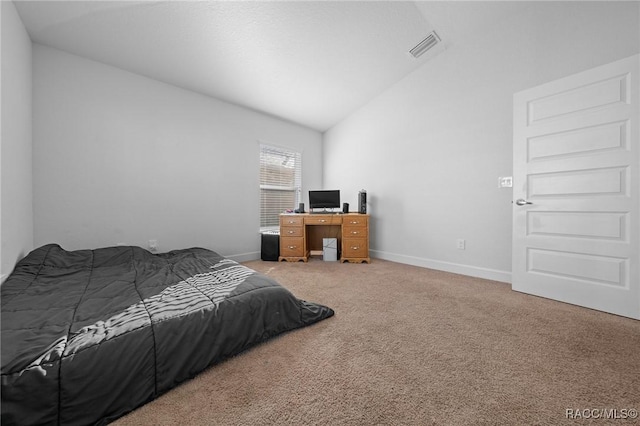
[(292, 247), (322, 220), (354, 232), (355, 248), (292, 232), (292, 221)]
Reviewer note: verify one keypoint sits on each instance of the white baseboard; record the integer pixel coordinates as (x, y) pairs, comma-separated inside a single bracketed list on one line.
[(244, 257), (456, 268)]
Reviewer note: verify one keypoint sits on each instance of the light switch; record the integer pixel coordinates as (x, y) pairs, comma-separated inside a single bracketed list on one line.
[(505, 182)]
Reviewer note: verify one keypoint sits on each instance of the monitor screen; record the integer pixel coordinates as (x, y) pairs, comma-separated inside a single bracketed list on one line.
[(327, 199)]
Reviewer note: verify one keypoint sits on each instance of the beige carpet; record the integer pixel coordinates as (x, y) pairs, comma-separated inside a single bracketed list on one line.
[(413, 346)]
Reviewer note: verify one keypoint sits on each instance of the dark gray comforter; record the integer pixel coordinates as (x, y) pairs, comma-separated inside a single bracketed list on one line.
[(89, 335)]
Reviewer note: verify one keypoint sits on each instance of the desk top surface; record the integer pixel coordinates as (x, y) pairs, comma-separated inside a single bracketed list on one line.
[(324, 214)]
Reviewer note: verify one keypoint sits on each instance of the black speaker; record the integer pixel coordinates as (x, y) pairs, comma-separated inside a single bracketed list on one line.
[(270, 249), (345, 207), (300, 208), (362, 202)]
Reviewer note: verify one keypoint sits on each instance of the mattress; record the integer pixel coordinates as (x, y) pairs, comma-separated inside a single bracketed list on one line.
[(90, 335)]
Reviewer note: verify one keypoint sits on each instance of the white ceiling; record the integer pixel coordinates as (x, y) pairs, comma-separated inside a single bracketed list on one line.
[(309, 62)]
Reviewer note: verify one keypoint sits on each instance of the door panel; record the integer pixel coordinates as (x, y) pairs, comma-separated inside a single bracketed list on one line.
[(594, 269), (605, 226), (577, 161), (580, 98), (608, 136)]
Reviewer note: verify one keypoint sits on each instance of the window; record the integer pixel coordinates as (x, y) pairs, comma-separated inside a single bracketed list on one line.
[(280, 184)]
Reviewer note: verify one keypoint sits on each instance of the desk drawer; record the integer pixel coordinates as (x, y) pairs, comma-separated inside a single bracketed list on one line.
[(291, 231), (355, 248), (323, 220), (291, 220), (291, 246), (355, 220), (354, 231)]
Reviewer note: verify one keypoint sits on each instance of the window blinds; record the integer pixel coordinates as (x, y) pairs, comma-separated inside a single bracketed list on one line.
[(280, 183)]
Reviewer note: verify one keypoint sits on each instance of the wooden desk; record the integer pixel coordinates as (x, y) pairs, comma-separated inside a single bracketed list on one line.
[(301, 235)]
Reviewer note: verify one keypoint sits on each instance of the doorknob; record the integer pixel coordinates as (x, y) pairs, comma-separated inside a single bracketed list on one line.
[(522, 202)]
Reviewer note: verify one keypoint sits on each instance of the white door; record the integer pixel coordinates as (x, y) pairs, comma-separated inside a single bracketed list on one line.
[(576, 192)]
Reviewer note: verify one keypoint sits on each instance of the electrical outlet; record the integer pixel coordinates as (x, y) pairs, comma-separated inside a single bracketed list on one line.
[(460, 244), (153, 245)]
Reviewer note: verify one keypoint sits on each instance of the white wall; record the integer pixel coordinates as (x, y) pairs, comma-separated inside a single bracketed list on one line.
[(16, 223), (121, 158), (430, 149)]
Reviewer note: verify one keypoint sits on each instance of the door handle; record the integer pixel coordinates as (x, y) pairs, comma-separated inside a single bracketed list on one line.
[(522, 202)]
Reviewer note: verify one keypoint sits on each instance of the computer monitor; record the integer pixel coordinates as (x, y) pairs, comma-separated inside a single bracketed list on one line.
[(325, 199)]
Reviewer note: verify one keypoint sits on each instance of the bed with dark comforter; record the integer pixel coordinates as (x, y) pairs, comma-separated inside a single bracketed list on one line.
[(89, 335)]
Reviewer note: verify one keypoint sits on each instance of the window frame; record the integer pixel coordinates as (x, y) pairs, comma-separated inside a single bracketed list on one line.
[(269, 220)]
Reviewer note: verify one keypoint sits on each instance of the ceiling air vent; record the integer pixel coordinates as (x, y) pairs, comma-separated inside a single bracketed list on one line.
[(426, 44)]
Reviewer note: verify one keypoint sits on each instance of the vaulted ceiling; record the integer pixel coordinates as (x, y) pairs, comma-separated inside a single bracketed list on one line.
[(309, 62)]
